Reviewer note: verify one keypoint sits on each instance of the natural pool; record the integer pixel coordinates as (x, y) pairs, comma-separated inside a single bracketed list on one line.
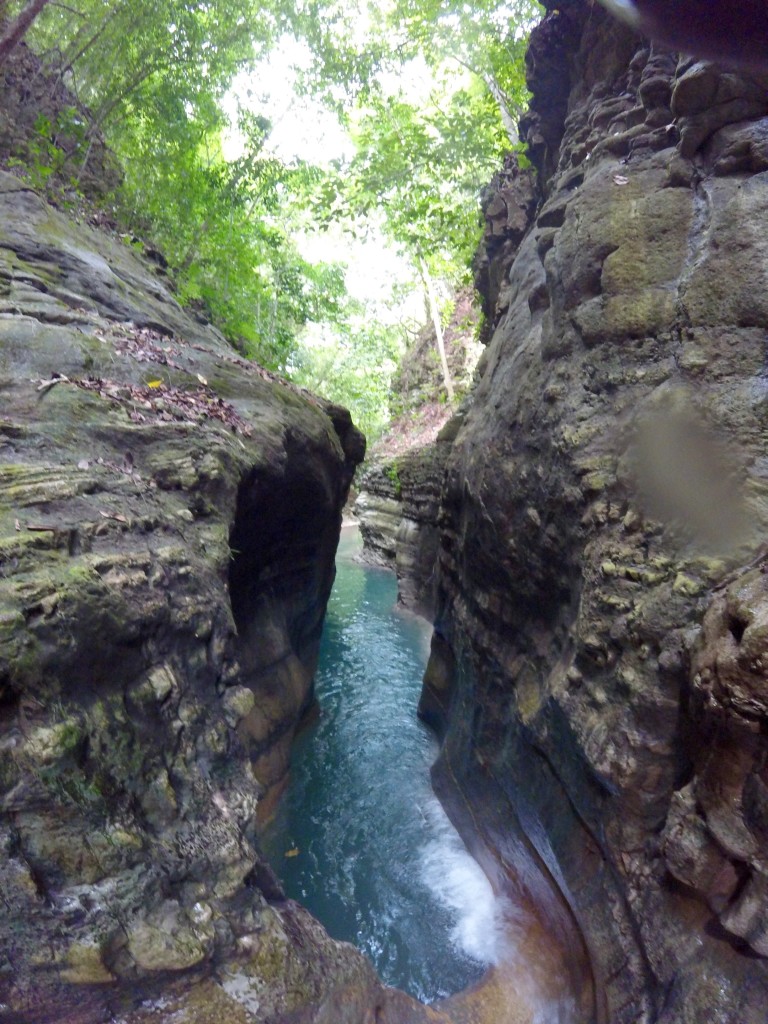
[(359, 838)]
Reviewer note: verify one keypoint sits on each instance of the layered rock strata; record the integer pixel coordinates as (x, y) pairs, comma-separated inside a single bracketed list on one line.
[(168, 522), (399, 493), (599, 667), (397, 509)]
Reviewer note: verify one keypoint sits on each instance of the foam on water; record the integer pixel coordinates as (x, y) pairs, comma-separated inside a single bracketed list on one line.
[(360, 838), (560, 1011), (459, 884)]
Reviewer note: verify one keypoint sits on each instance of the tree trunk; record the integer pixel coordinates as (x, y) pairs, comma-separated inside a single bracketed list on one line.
[(509, 122), (507, 119), (12, 34), (435, 313)]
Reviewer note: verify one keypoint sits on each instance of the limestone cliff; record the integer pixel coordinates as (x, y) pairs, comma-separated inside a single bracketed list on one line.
[(399, 490), (168, 522), (599, 666), (398, 508)]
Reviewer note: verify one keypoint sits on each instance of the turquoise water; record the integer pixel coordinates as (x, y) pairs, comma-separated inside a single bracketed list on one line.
[(360, 839)]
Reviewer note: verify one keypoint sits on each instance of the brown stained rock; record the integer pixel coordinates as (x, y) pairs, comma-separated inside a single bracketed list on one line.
[(731, 660), (693, 856), (730, 705), (31, 91), (323, 982)]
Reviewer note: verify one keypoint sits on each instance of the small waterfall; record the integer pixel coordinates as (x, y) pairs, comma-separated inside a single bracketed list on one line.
[(483, 926), (360, 837)]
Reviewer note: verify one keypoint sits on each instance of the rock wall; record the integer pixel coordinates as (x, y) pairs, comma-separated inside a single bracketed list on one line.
[(379, 509), (168, 522), (399, 492), (46, 130), (397, 509), (599, 660)]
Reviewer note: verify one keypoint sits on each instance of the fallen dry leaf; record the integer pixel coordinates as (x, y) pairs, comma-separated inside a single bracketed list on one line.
[(113, 515)]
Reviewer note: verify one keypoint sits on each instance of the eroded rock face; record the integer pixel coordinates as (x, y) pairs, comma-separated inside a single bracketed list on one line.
[(398, 508), (168, 523), (33, 93), (599, 661)]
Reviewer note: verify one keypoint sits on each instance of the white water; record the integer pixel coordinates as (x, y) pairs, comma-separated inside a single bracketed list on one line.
[(482, 928), (360, 838)]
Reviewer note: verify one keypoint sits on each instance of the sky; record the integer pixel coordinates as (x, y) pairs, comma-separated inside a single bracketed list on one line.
[(305, 130), (302, 128)]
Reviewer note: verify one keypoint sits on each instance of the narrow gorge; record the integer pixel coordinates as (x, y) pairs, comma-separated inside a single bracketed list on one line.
[(586, 534), (598, 662)]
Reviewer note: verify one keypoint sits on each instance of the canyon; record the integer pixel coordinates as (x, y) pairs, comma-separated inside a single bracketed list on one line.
[(587, 535), (598, 661)]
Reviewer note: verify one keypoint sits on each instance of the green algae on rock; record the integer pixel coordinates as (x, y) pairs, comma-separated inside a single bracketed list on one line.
[(166, 553), (598, 667)]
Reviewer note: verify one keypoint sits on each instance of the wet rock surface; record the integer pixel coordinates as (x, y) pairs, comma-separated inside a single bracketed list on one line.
[(168, 522), (169, 515), (598, 668), (398, 508)]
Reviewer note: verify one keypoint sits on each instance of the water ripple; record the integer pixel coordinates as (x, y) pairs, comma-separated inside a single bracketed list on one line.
[(378, 862)]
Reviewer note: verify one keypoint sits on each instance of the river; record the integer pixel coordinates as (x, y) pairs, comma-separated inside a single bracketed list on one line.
[(359, 837)]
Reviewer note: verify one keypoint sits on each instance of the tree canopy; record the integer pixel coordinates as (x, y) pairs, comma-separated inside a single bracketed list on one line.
[(154, 78)]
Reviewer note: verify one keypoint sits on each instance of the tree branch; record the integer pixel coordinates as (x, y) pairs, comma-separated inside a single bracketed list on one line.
[(13, 33)]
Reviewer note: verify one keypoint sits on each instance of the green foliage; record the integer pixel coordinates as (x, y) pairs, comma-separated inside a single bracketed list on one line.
[(353, 364), (46, 156), (424, 168), (488, 37), (420, 164), (154, 75), (219, 224), (111, 48), (393, 474)]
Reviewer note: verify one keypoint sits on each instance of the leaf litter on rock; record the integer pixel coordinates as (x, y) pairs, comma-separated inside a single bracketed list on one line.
[(159, 401), (167, 403), (144, 344)]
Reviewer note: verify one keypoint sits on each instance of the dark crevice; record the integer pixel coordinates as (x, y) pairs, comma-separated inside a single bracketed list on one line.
[(737, 628), (277, 539)]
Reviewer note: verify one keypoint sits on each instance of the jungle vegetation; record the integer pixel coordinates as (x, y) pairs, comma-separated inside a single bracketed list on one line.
[(427, 95)]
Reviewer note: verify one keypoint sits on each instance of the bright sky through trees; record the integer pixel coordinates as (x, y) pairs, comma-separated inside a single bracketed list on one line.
[(245, 127), (303, 128)]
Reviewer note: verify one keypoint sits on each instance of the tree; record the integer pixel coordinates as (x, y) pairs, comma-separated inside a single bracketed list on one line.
[(422, 171), (488, 37), (422, 166), (154, 72), (352, 362), (11, 33), (154, 75)]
